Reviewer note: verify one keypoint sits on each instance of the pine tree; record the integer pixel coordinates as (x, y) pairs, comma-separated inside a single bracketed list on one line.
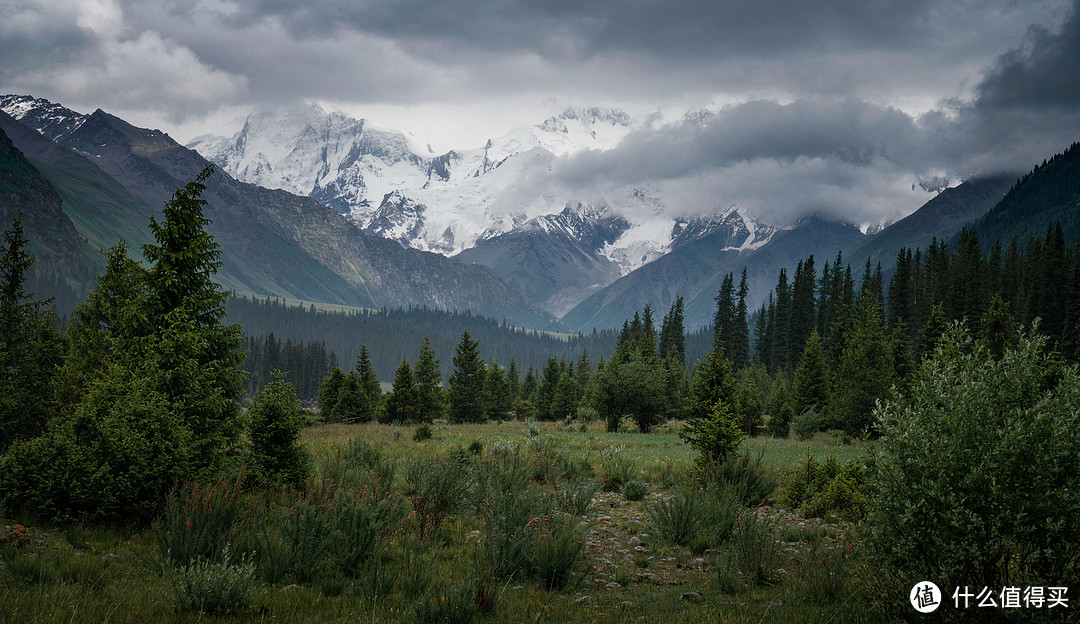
[(811, 379), (865, 372), (781, 411), (352, 404), (673, 333), (30, 345), (803, 306), (498, 404), (712, 383), (277, 455), (467, 382), (740, 339), (369, 385), (564, 403), (330, 392), (182, 296), (400, 404), (430, 396)]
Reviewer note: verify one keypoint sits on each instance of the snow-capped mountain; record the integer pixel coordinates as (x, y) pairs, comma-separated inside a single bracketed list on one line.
[(388, 183), (480, 204)]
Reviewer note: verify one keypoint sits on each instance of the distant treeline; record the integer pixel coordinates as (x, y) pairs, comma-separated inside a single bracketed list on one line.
[(307, 339)]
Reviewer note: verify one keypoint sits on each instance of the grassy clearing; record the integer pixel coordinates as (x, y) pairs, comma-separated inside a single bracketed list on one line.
[(626, 572)]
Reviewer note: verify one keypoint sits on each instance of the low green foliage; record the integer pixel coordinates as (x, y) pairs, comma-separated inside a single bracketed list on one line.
[(818, 487), (635, 490), (221, 586), (198, 520), (616, 467), (677, 518), (716, 435), (422, 432), (757, 547), (807, 424), (437, 487)]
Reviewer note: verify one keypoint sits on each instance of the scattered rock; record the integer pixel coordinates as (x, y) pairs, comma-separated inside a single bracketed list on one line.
[(583, 599), (691, 596), (612, 585)]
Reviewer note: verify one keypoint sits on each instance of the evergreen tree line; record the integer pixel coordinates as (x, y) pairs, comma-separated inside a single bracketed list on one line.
[(304, 365), (827, 347), (391, 335), (645, 380)]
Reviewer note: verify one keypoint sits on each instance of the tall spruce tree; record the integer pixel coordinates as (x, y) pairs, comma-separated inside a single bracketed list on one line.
[(400, 404), (467, 382), (430, 395), (739, 348), (30, 345), (811, 380)]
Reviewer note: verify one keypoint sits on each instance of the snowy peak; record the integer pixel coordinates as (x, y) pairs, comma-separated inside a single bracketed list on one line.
[(334, 158), (593, 226), (51, 120), (397, 218), (731, 229)]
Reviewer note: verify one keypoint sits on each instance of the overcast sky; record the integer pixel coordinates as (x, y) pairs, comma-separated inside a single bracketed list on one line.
[(839, 106)]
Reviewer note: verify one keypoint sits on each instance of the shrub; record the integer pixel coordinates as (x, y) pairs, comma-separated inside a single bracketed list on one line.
[(616, 467), (677, 518), (757, 547), (437, 487), (216, 587), (422, 432), (635, 490), (824, 569), (807, 424), (197, 521), (816, 488), (714, 436), (587, 415), (454, 605), (575, 498), (751, 481), (977, 473), (555, 542)]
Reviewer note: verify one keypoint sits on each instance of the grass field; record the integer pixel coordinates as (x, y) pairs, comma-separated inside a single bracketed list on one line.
[(626, 573)]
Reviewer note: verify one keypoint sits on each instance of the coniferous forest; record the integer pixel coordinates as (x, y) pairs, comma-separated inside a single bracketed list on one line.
[(860, 432)]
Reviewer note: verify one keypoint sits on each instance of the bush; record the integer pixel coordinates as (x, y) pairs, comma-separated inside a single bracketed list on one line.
[(677, 518), (587, 415), (977, 472), (751, 481), (714, 436), (423, 432), (616, 468), (807, 424), (437, 487), (824, 569), (575, 498), (216, 587), (197, 521), (757, 547), (818, 487), (635, 490), (555, 542)]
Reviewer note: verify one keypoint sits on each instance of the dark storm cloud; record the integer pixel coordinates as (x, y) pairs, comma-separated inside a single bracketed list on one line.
[(848, 130), (1026, 106), (835, 155), (687, 29)]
